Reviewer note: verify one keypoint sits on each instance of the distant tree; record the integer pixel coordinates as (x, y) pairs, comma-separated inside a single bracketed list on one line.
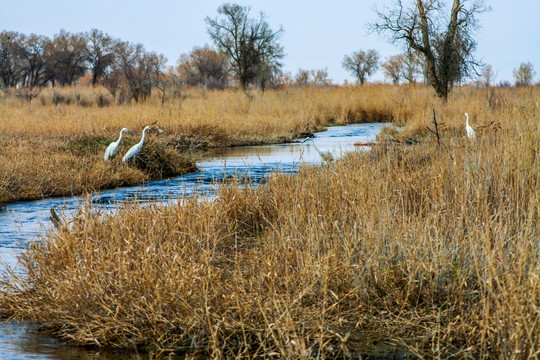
[(134, 73), (283, 78), (486, 77), (188, 74), (66, 58), (447, 46), (524, 74), (268, 74), (320, 77), (117, 80), (249, 43), (205, 67), (146, 75), (99, 52), (11, 58), (31, 62), (412, 66), (302, 77), (361, 64), (393, 68), (35, 72)]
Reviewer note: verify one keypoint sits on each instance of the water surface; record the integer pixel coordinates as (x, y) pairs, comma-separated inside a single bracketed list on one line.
[(27, 221)]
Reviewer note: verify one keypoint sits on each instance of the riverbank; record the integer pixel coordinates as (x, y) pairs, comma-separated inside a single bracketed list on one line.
[(433, 246), (55, 148), (54, 145)]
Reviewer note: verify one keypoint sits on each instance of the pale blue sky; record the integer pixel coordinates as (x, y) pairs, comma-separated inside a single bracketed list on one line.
[(317, 33)]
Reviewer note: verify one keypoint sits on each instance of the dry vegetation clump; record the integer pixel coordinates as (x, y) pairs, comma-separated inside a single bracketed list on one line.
[(162, 161), (58, 137), (81, 96), (431, 247), (39, 167)]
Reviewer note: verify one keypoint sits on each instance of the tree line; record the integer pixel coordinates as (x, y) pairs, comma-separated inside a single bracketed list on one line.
[(30, 62), (437, 45)]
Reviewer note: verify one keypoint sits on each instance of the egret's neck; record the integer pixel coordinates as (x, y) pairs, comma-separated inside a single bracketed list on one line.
[(120, 137), (143, 135)]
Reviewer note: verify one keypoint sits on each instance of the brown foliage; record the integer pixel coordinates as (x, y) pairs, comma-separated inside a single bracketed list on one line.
[(432, 247)]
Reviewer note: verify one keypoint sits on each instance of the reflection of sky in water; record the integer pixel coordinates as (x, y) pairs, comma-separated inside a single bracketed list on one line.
[(20, 341), (25, 221)]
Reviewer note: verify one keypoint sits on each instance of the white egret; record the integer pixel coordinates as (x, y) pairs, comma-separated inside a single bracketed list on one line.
[(325, 155), (470, 131), (134, 151), (112, 149)]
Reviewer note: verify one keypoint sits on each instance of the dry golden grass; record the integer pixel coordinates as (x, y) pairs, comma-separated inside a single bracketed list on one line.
[(433, 247), (229, 114), (46, 166), (40, 138)]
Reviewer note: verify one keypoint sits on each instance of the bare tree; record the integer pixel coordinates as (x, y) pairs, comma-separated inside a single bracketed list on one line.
[(205, 67), (393, 68), (35, 72), (320, 77), (249, 43), (447, 46), (283, 78), (486, 77), (66, 58), (134, 73), (267, 75), (146, 74), (361, 64), (524, 74), (99, 53), (11, 58), (302, 77), (413, 66), (123, 69)]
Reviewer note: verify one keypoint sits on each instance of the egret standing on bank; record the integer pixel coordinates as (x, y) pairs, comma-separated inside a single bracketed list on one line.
[(112, 149), (134, 151), (470, 131)]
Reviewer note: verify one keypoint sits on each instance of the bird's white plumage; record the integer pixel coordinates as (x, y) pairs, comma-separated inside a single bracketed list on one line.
[(470, 131), (134, 151), (112, 149)]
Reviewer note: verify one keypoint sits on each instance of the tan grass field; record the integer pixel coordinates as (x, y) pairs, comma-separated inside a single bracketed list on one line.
[(55, 150), (432, 247)]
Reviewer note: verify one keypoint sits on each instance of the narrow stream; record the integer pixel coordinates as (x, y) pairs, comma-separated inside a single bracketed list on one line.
[(23, 222)]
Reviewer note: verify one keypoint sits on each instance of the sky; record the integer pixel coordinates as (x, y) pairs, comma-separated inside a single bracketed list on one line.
[(317, 34)]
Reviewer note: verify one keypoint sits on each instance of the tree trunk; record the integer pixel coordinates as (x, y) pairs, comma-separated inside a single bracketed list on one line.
[(431, 68)]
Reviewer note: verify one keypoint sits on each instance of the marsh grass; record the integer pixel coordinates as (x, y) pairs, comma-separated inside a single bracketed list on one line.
[(84, 145), (39, 167), (70, 127), (431, 247), (435, 250), (161, 161)]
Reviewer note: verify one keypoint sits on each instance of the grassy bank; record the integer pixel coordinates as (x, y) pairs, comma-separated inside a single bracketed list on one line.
[(431, 246), (54, 145), (46, 166)]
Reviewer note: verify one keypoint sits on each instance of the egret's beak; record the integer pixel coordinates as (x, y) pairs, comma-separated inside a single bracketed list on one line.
[(159, 130)]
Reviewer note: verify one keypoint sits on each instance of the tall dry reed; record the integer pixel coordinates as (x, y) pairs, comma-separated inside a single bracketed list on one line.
[(433, 247), (59, 138)]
